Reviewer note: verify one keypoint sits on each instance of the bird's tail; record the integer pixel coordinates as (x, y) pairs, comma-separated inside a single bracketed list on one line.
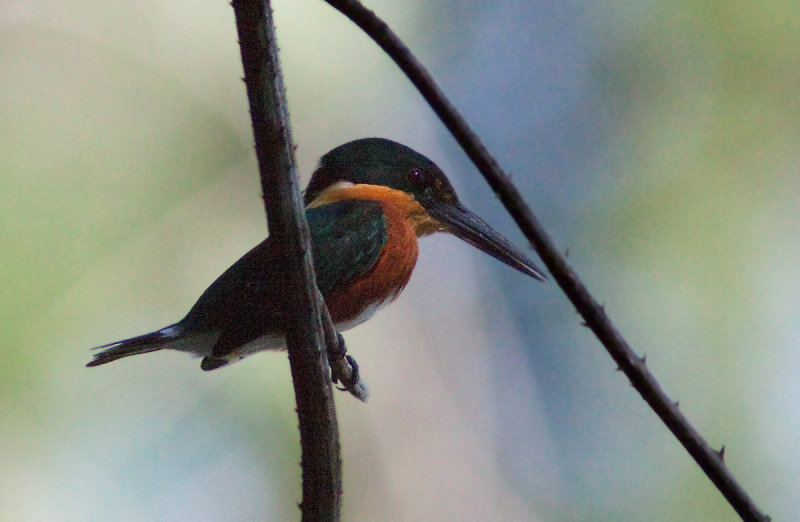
[(150, 342)]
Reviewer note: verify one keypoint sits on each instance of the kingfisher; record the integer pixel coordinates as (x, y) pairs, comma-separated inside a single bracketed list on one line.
[(366, 204)]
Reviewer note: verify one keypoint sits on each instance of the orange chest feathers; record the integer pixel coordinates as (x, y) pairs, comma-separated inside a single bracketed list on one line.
[(365, 294)]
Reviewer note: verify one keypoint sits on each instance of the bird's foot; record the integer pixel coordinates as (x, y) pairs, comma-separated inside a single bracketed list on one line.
[(344, 370), (348, 383)]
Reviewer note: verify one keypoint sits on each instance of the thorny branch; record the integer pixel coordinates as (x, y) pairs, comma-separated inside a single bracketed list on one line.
[(306, 337), (709, 460)]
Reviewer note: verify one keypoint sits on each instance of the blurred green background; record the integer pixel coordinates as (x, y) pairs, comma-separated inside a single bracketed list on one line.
[(657, 141)]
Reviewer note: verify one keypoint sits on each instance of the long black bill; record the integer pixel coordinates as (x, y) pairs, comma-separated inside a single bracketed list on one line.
[(475, 231)]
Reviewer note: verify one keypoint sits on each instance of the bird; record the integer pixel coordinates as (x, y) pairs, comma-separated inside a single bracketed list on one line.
[(367, 203)]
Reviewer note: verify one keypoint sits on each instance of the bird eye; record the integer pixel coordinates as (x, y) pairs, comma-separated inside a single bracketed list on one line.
[(419, 178)]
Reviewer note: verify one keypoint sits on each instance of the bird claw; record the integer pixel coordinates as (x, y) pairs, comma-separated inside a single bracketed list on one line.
[(352, 384), (348, 384), (344, 370)]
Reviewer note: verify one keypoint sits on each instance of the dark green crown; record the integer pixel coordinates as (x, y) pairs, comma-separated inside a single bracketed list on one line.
[(378, 161)]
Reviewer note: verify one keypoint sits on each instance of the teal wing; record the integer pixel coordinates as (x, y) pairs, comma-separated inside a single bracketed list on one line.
[(346, 240)]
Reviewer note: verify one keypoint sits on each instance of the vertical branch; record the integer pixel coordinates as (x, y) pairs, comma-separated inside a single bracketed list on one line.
[(303, 306)]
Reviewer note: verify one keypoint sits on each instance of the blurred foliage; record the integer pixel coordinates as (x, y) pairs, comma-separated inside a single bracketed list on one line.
[(656, 140)]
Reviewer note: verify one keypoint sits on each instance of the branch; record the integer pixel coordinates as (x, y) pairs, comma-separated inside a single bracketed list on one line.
[(709, 460), (302, 303)]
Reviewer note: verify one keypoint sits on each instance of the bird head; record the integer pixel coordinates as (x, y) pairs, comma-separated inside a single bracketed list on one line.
[(385, 163)]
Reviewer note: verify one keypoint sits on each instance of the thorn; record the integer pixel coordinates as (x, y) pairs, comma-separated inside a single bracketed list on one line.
[(721, 453), (584, 324), (619, 368), (677, 404), (566, 252), (643, 359)]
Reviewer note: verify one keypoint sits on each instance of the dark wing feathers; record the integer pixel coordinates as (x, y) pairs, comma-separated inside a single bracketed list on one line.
[(236, 293), (346, 239)]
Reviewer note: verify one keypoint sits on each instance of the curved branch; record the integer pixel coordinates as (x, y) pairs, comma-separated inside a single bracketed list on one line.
[(305, 337), (709, 460)]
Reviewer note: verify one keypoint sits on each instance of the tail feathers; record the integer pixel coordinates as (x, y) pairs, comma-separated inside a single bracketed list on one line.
[(146, 343)]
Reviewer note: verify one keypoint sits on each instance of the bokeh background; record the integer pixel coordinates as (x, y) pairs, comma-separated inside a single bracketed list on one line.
[(657, 141)]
